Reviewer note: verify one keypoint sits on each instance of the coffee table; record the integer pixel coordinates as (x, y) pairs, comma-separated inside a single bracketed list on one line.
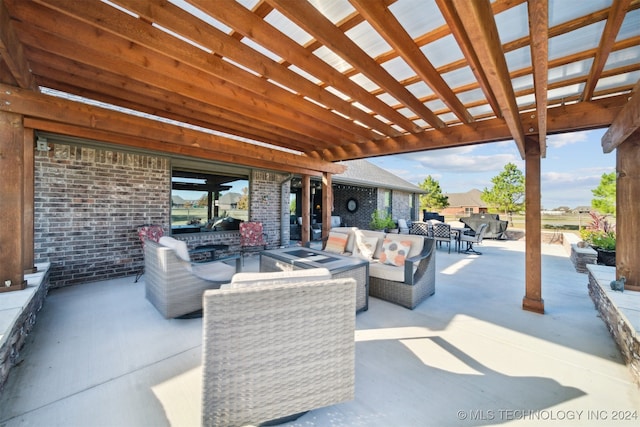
[(339, 266)]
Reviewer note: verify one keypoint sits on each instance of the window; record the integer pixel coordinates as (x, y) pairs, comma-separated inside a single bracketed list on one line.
[(468, 210), (207, 201)]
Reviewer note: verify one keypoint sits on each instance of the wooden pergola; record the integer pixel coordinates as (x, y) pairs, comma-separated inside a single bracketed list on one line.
[(296, 86)]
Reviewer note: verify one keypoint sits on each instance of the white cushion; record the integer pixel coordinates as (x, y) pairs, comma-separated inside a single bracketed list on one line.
[(377, 234), (178, 246), (245, 280), (350, 232), (365, 247), (387, 272), (214, 271)]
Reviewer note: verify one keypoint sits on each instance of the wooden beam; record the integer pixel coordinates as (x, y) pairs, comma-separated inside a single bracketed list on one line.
[(532, 300), (477, 18), (305, 231), (567, 118), (255, 28), (11, 50), (625, 124), (391, 30), (538, 30), (65, 111), (316, 24), (628, 212), (327, 204), (461, 36), (12, 206), (616, 15)]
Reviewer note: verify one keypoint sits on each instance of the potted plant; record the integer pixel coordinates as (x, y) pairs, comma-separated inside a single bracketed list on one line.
[(601, 236), (381, 220)]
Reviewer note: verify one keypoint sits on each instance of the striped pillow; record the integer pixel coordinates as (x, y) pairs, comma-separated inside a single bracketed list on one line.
[(336, 242)]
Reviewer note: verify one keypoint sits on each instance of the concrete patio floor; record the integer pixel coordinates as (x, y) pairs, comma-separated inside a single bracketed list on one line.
[(101, 355)]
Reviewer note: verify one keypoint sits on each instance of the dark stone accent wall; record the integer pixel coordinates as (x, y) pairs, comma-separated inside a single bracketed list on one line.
[(366, 198)]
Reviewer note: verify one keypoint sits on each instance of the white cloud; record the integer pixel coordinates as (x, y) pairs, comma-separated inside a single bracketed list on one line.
[(465, 161), (561, 139)]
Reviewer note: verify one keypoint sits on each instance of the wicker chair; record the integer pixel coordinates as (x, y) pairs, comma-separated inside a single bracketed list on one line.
[(174, 285), (442, 234), (272, 351), (419, 279)]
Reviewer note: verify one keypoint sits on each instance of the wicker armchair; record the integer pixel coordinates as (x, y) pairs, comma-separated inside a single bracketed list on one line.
[(274, 351), (174, 285), (419, 279)]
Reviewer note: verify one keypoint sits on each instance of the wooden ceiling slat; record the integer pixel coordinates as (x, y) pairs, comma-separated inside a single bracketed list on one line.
[(242, 20), (316, 24), (12, 53), (157, 72), (614, 22), (538, 24), (480, 24), (392, 31), (110, 19)]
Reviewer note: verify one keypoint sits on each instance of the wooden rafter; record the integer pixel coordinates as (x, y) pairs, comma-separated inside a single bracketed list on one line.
[(611, 28), (388, 26), (480, 24), (12, 52), (312, 21), (538, 24), (251, 26), (135, 30)]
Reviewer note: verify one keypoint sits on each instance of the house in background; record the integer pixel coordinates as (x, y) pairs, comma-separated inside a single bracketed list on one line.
[(464, 204), (357, 192)]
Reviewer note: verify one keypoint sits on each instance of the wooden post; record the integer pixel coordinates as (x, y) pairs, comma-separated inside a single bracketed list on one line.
[(628, 212), (11, 202), (327, 203), (306, 207), (532, 300), (28, 203)]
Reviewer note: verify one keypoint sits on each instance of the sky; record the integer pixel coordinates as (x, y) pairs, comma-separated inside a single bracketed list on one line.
[(573, 166)]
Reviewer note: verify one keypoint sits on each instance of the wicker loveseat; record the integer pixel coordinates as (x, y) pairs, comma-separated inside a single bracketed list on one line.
[(276, 345), (409, 282), (173, 284)]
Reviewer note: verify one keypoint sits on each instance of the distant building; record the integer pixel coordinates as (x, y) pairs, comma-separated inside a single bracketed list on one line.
[(464, 204)]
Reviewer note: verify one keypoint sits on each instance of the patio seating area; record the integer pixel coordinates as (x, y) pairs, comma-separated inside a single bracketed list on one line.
[(101, 355)]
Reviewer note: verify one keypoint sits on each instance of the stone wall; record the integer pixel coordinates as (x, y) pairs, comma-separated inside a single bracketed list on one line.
[(615, 309)]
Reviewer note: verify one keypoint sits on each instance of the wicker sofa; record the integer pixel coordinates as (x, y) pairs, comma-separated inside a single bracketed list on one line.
[(173, 284), (409, 282), (276, 345)]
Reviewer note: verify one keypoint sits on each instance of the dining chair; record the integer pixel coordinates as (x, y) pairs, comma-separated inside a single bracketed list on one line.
[(146, 232), (442, 233), (252, 237), (471, 239)]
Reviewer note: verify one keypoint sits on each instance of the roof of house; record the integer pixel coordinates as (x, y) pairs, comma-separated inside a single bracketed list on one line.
[(366, 174), (470, 198)]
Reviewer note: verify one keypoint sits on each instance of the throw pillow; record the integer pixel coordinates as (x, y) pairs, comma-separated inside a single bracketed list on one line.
[(394, 252), (366, 247), (336, 242)]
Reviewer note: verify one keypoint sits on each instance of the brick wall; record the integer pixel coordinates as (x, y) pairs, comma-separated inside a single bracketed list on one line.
[(88, 204)]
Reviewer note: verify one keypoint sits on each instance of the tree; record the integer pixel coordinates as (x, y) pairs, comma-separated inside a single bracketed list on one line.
[(507, 193), (604, 200), (434, 200)]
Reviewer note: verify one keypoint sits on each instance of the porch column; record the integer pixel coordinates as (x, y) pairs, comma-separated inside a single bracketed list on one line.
[(532, 300), (306, 207), (327, 203), (28, 202), (628, 212), (11, 202)]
